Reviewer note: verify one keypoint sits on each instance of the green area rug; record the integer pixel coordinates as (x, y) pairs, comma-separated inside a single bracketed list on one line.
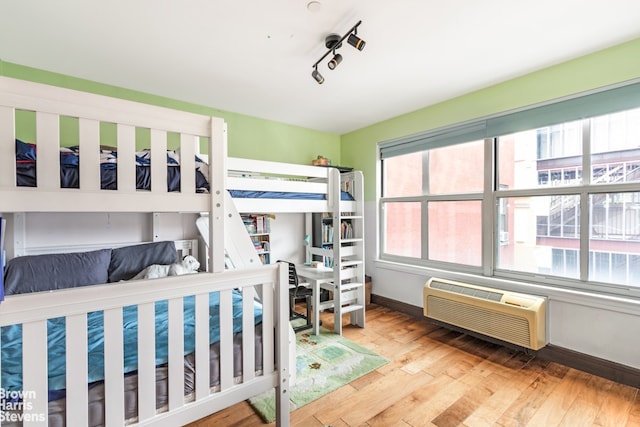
[(324, 363)]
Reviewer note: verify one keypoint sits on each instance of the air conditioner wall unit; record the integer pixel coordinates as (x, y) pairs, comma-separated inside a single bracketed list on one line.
[(512, 317)]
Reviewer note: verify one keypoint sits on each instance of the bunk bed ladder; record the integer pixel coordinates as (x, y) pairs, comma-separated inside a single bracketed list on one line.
[(345, 253), (348, 247)]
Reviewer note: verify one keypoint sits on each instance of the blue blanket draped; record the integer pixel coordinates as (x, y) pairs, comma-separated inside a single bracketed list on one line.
[(12, 340)]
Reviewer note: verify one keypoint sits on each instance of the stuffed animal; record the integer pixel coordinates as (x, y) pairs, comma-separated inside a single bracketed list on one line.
[(188, 265)]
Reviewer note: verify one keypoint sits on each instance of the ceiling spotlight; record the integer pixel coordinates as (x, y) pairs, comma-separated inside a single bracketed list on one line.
[(337, 59), (316, 75), (356, 41), (334, 42)]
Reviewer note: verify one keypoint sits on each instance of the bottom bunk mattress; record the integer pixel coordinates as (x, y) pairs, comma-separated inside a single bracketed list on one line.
[(57, 408), (12, 349)]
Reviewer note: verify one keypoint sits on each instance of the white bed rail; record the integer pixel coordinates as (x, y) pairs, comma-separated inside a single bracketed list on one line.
[(264, 176), (50, 104), (33, 310)]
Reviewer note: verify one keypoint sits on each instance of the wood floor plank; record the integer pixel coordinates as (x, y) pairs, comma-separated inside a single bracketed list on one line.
[(455, 414), (450, 362), (504, 394), (425, 413), (330, 400), (231, 416), (616, 407), (394, 414), (431, 352), (370, 400), (587, 404), (555, 407), (494, 363), (529, 401), (634, 412)]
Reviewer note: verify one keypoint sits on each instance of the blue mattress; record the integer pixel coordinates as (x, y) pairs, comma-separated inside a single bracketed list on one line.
[(247, 194)]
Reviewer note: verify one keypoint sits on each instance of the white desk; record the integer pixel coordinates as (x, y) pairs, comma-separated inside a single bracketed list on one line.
[(315, 276)]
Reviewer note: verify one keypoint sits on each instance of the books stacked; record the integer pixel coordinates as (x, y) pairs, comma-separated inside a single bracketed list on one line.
[(346, 230)]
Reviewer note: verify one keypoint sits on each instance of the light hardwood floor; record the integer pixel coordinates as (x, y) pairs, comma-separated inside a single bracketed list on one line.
[(437, 377)]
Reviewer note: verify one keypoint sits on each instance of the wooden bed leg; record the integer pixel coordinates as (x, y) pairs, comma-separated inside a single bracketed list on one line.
[(282, 340)]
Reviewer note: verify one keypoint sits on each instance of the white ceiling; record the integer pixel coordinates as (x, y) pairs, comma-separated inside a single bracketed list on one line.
[(255, 57)]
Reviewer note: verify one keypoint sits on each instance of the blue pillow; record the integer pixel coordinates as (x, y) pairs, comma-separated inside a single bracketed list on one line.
[(36, 273), (128, 261)]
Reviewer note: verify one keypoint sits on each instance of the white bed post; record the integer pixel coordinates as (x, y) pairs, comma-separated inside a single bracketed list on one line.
[(282, 346), (217, 180), (7, 147)]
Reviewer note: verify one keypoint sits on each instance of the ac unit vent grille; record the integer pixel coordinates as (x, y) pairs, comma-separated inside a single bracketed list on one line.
[(466, 290), (503, 326)]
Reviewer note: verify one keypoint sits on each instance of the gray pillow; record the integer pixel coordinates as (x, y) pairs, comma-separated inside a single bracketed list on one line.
[(128, 261), (36, 273)]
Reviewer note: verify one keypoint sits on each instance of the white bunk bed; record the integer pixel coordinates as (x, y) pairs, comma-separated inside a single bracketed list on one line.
[(272, 187), (33, 312), (320, 188)]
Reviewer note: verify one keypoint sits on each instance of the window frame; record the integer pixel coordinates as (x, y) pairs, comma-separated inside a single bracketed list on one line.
[(424, 200), (596, 103)]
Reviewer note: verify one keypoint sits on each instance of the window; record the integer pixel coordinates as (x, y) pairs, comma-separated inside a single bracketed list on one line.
[(558, 200), (432, 205), (545, 227)]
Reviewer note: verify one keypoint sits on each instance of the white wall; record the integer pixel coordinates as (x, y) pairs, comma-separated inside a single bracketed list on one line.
[(600, 326), (46, 232), (287, 237), (78, 229)]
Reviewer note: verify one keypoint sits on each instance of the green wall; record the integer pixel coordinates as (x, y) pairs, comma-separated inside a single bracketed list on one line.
[(613, 65), (248, 137)]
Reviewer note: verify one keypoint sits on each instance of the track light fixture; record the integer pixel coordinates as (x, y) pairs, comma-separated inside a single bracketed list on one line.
[(356, 41), (334, 42), (337, 59), (316, 75)]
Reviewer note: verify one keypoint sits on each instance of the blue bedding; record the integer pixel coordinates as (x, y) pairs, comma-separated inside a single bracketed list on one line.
[(248, 194), (69, 174), (12, 340), (26, 158)]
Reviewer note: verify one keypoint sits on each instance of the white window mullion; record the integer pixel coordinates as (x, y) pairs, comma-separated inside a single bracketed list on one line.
[(424, 207), (490, 222), (425, 230), (585, 217)]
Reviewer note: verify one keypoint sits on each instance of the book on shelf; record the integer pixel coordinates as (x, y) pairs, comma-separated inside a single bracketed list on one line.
[(327, 233), (327, 261), (260, 224), (257, 224), (346, 230)]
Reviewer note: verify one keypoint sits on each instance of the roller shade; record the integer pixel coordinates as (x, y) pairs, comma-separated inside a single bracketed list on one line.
[(450, 135), (596, 104), (606, 101)]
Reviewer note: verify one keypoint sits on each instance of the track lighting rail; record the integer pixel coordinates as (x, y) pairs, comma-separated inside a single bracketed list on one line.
[(332, 44)]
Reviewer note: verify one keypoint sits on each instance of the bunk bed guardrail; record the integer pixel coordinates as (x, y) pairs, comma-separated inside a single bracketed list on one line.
[(33, 311)]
